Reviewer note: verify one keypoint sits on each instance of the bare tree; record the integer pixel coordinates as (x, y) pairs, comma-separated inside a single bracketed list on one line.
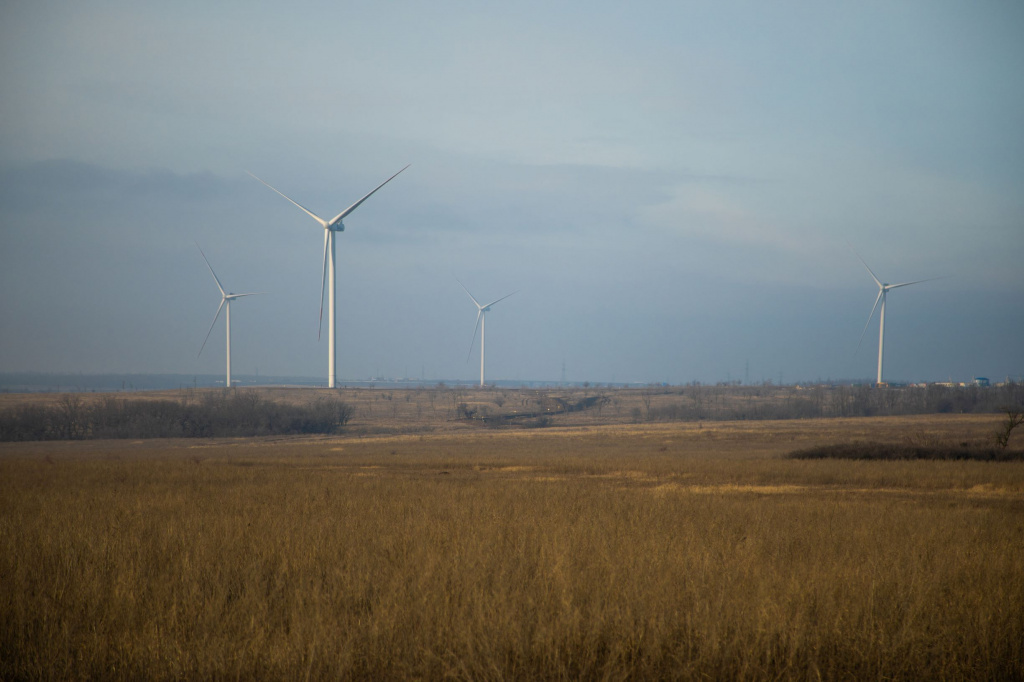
[(1014, 418), (70, 416), (645, 398), (698, 400)]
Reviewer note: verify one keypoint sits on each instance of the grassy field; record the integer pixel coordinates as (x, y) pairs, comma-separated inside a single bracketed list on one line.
[(673, 550)]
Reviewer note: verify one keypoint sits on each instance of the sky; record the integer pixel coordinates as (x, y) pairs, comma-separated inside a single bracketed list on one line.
[(672, 188)]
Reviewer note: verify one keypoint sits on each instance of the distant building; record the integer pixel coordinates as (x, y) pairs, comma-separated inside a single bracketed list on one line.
[(981, 381)]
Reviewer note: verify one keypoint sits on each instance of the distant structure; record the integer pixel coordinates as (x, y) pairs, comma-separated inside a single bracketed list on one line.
[(481, 314), (225, 302), (330, 228), (883, 289), (981, 381)]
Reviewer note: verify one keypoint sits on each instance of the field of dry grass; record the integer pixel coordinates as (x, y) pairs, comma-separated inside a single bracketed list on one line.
[(655, 550)]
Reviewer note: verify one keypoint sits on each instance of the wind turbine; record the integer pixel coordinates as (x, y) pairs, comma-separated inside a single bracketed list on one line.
[(330, 227), (481, 315), (225, 301), (883, 289)]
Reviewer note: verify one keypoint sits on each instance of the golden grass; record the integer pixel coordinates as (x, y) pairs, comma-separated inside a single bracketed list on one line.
[(663, 551)]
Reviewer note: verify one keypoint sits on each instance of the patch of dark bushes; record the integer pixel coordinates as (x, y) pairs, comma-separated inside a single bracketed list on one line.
[(897, 451), (241, 413), (698, 402)]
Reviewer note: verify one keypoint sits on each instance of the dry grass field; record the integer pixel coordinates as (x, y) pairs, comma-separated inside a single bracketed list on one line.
[(668, 550)]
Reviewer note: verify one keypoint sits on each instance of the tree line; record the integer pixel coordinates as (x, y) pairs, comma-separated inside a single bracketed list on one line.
[(241, 413)]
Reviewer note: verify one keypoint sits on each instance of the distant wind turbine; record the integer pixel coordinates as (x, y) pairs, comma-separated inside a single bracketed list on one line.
[(225, 302), (330, 227), (481, 315), (883, 289)]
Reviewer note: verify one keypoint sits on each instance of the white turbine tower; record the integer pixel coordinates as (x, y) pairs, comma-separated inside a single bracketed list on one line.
[(225, 301), (330, 227), (883, 289), (481, 321)]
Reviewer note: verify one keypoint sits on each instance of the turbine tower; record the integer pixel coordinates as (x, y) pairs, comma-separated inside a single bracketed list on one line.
[(328, 274), (481, 315), (883, 289), (225, 301)]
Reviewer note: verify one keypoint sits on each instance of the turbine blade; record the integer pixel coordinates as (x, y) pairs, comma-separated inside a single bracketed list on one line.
[(354, 206), (865, 264), (312, 215), (861, 340), (222, 301), (475, 302), (254, 293), (907, 284), (222, 292), (479, 315), (500, 299), (323, 280)]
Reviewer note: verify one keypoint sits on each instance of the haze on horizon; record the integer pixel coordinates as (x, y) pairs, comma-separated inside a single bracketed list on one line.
[(670, 186)]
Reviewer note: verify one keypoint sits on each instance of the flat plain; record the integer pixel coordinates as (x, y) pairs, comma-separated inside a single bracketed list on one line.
[(449, 549)]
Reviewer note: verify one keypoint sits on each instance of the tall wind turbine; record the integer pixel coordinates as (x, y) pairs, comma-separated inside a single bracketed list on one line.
[(481, 315), (330, 227), (883, 289), (225, 302)]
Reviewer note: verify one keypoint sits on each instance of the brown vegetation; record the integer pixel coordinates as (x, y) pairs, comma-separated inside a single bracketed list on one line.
[(666, 550), (895, 451)]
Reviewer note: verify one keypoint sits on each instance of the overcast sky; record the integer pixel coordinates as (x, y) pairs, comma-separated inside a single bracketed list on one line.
[(670, 186)]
